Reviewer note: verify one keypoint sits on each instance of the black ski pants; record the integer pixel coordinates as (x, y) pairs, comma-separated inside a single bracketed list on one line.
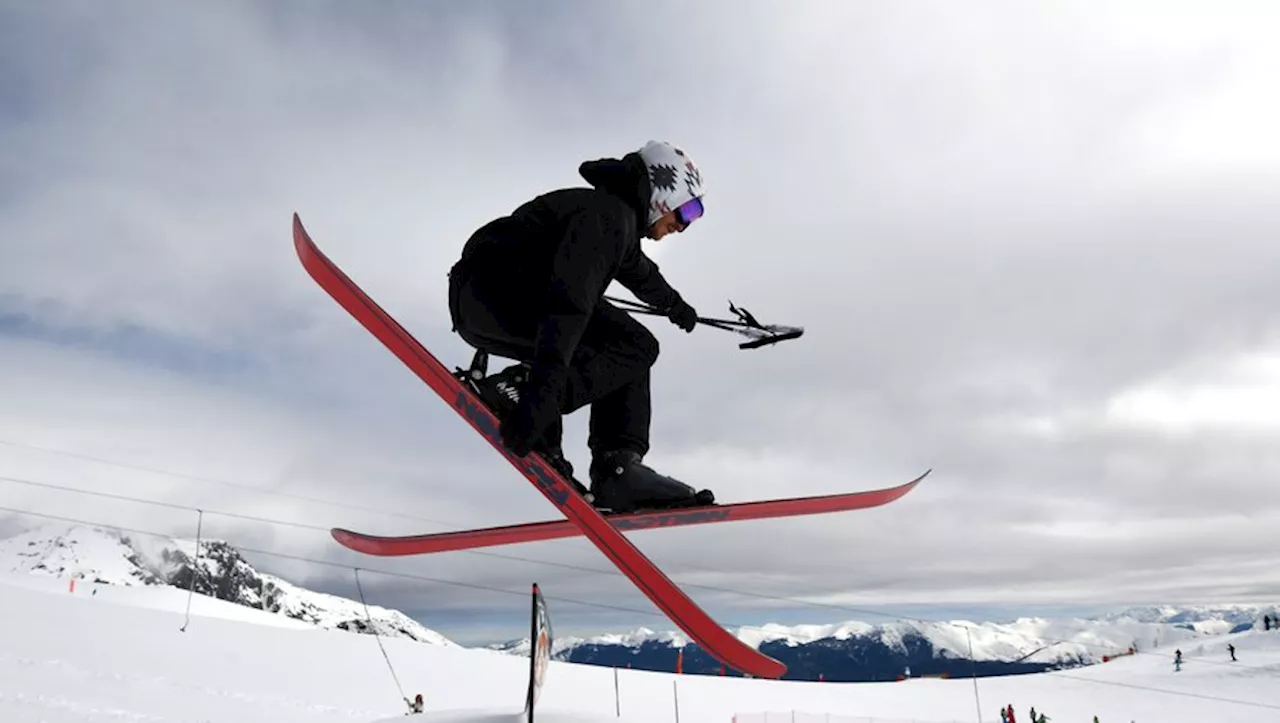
[(609, 370)]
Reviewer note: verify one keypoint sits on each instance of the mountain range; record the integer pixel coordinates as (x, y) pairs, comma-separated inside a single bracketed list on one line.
[(849, 651), (858, 651), (103, 556)]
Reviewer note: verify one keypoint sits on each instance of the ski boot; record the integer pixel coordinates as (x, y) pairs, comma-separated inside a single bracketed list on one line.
[(620, 483), (501, 394)]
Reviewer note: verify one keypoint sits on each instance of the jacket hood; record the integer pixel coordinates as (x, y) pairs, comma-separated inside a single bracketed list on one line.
[(627, 178)]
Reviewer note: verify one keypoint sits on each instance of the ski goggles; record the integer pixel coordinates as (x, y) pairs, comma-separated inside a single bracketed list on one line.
[(689, 211)]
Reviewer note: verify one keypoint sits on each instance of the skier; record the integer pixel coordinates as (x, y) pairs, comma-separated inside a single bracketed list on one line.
[(1232, 649), (529, 287)]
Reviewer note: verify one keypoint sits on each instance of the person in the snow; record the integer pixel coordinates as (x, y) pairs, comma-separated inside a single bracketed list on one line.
[(529, 287)]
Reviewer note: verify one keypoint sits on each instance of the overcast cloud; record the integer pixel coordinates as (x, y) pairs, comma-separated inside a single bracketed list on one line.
[(1033, 246)]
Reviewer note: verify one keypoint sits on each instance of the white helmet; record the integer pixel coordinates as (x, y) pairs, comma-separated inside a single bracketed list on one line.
[(673, 179)]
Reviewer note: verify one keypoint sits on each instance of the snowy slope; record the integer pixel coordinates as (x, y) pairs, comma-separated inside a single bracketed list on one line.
[(79, 658), (106, 557)]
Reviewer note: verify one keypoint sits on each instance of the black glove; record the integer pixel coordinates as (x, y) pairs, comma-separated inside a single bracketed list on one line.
[(683, 315), (537, 411)]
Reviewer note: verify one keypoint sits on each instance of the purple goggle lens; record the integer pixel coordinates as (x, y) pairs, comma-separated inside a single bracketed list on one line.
[(689, 212)]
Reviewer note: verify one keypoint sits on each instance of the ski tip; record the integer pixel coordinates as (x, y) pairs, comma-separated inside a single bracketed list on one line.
[(305, 248), (895, 493), (353, 541), (300, 236), (356, 542), (907, 487)]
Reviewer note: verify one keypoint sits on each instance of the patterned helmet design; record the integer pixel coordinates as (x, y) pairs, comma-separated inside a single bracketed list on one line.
[(673, 178)]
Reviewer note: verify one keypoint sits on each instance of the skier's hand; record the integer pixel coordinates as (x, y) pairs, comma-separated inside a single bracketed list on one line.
[(683, 315), (539, 407)]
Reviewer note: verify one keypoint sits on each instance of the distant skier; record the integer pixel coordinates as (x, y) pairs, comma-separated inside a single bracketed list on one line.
[(1232, 649), (1012, 717), (415, 706), (529, 287), (1177, 660), (1004, 716)]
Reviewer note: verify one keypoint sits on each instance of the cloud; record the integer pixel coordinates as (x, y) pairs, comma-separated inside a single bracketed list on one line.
[(1030, 247)]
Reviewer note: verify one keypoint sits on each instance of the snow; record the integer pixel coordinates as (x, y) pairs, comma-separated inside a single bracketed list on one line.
[(494, 716), (119, 656)]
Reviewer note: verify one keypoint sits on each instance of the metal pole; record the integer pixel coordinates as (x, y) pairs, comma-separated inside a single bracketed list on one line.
[(617, 700), (373, 629), (195, 569), (973, 671), (675, 692)]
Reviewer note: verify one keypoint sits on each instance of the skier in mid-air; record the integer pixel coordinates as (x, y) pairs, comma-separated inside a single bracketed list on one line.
[(529, 287)]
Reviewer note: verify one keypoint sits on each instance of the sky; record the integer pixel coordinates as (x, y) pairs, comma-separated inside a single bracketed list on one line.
[(1031, 246)]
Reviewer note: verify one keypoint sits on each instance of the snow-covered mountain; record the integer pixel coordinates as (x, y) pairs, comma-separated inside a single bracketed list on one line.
[(103, 556), (861, 651), (1208, 619)]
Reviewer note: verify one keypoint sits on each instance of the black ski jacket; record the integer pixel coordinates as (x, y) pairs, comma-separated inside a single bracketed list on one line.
[(561, 250)]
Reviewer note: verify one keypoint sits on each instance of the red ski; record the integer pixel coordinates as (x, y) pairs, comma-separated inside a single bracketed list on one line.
[(684, 612), (555, 529)]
